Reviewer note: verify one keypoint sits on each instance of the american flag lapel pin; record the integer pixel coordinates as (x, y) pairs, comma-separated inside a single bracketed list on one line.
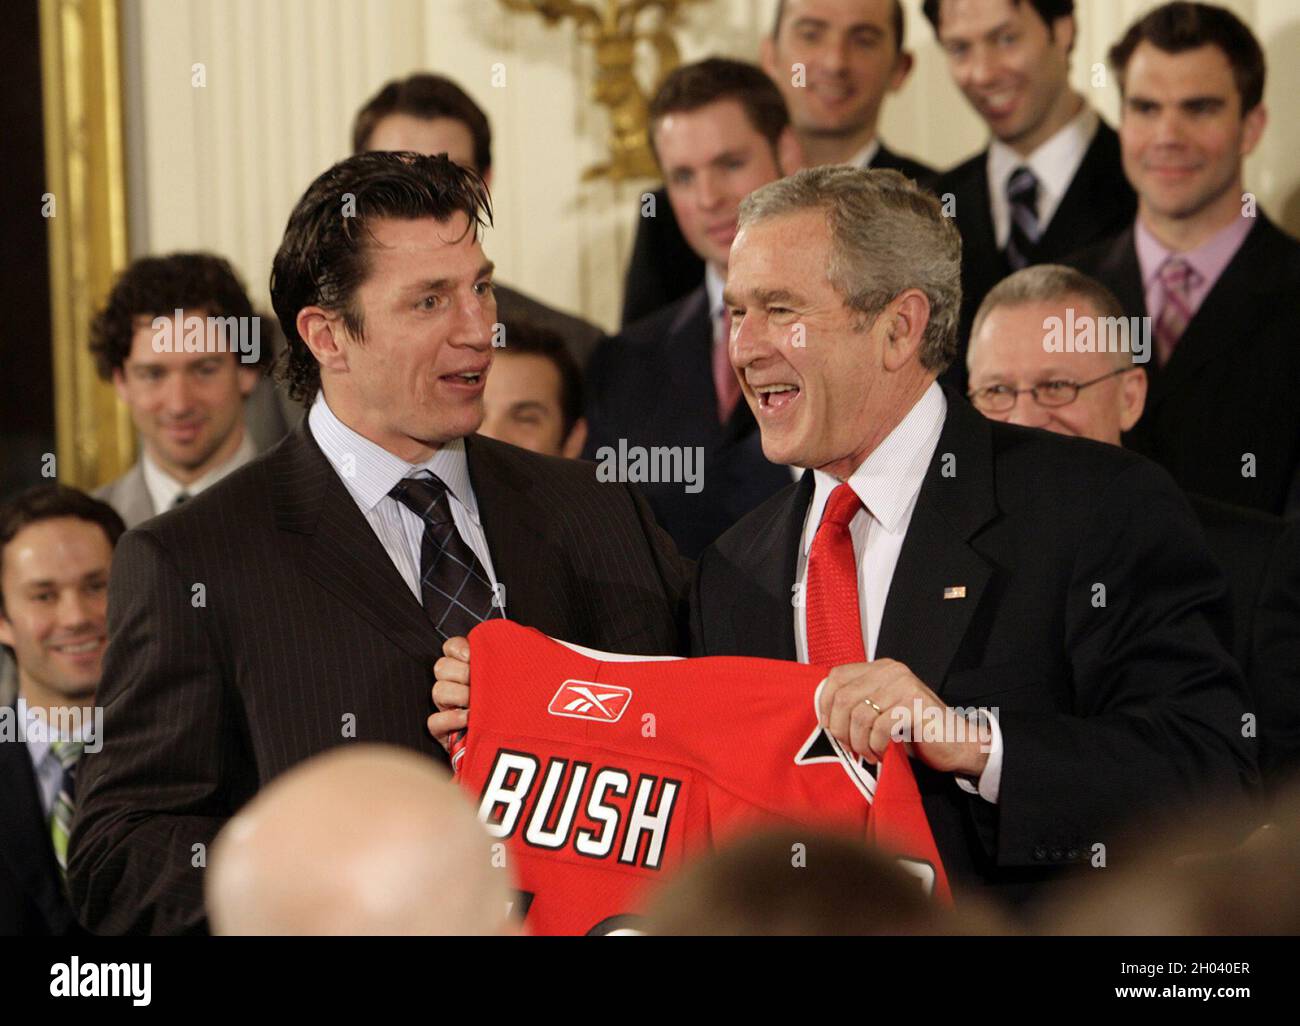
[(954, 591)]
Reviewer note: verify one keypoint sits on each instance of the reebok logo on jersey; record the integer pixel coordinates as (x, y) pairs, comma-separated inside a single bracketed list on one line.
[(584, 700)]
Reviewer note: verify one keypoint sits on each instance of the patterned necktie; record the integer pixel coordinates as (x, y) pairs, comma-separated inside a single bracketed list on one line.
[(725, 383), (67, 753), (834, 628), (1177, 279), (1022, 195), (456, 591)]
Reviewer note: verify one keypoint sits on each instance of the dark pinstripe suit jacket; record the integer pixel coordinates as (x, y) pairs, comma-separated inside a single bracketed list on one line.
[(263, 622)]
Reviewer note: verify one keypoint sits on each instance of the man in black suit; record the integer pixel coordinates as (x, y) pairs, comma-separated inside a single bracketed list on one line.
[(301, 603), (1099, 392), (834, 62), (1216, 277), (1050, 179), (56, 546), (431, 114), (1054, 593), (719, 129)]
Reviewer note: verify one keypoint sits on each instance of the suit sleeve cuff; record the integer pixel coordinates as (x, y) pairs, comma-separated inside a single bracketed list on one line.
[(990, 780)]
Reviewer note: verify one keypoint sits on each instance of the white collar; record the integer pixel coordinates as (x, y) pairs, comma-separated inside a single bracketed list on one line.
[(863, 158), (163, 488), (890, 478), (714, 283), (369, 471), (1053, 163)]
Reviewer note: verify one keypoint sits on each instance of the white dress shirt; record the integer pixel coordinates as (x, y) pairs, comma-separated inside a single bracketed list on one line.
[(163, 488), (46, 766), (1054, 164), (888, 482), (369, 472)]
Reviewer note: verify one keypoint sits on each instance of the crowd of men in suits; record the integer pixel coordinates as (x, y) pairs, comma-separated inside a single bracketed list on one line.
[(857, 346)]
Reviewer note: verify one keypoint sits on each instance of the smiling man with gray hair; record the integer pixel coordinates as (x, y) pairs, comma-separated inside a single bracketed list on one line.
[(951, 568)]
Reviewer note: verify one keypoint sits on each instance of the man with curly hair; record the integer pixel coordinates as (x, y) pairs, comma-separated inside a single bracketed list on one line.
[(180, 342)]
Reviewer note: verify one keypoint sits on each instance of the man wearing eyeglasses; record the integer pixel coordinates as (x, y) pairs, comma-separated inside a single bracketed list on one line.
[(1022, 372)]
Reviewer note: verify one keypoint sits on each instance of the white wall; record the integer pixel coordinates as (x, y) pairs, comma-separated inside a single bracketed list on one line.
[(220, 167)]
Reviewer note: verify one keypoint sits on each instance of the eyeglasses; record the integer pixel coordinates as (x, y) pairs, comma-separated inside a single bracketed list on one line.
[(1002, 398)]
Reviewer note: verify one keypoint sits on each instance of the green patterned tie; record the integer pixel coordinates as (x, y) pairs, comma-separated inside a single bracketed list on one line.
[(67, 752)]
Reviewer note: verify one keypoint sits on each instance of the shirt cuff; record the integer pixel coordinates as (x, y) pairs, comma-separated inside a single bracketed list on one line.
[(990, 780)]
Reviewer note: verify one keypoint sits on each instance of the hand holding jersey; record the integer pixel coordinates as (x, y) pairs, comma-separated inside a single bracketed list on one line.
[(450, 692)]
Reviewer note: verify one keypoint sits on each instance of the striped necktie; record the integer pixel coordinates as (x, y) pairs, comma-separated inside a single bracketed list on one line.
[(1177, 279), (1022, 195), (67, 753)]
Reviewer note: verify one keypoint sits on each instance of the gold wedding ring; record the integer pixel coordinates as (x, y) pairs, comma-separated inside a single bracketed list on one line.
[(873, 705)]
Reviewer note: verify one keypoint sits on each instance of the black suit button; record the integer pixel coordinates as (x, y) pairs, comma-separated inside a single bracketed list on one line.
[(1040, 853), (1057, 854), (1072, 854)]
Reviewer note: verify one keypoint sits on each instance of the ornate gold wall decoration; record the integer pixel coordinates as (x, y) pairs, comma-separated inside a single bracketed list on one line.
[(84, 168), (613, 33)]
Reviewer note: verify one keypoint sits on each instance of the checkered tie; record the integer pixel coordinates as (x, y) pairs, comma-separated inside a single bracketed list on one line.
[(67, 752), (455, 588), (1177, 279), (1022, 195)]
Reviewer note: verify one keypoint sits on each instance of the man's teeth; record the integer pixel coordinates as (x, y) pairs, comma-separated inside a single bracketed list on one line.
[(80, 648), (470, 376), (767, 389)]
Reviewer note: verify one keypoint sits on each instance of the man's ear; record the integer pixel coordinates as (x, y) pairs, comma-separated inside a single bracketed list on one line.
[(1064, 30), (1252, 129), (576, 440), (6, 631), (248, 378), (119, 384), (905, 319), (902, 68), (767, 58), (789, 151), (323, 332), (1133, 396)]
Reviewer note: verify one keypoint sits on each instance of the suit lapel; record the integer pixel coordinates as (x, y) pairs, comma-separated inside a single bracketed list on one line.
[(763, 619), (921, 627), (135, 503), (1227, 319), (342, 552), (25, 844), (524, 557), (1076, 219)]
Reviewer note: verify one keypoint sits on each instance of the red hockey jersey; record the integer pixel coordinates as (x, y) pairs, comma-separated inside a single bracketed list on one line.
[(602, 775)]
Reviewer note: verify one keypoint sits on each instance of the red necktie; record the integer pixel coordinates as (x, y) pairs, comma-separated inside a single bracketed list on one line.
[(898, 823), (725, 383), (834, 629)]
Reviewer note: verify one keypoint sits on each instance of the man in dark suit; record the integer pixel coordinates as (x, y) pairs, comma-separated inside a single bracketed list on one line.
[(719, 129), (1050, 179), (302, 602), (431, 114), (1216, 278), (834, 62), (1051, 596), (56, 546), (1099, 393)]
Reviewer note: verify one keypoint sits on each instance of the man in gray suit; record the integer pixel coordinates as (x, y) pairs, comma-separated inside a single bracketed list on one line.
[(179, 340), (431, 114)]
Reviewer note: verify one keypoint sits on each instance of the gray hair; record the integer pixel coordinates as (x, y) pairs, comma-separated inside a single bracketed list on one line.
[(887, 236), (1048, 283)]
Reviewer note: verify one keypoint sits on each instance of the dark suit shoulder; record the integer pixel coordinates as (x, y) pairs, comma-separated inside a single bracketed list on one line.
[(963, 176)]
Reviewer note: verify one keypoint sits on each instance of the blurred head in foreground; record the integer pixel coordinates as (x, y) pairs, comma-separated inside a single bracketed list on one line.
[(1231, 886), (363, 840), (792, 882)]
